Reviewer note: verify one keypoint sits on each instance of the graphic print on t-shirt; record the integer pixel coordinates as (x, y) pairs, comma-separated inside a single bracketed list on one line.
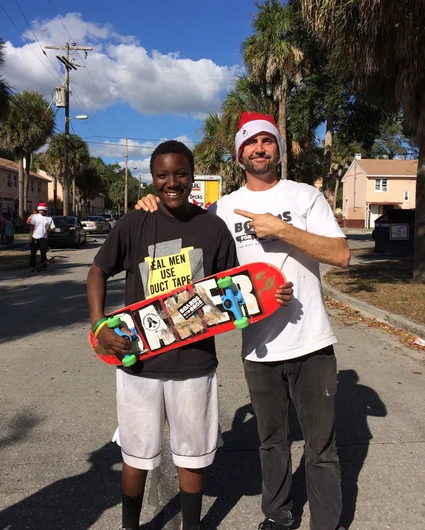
[(169, 266), (245, 236)]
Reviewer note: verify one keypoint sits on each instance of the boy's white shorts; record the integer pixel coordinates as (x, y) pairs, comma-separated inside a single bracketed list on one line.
[(189, 406)]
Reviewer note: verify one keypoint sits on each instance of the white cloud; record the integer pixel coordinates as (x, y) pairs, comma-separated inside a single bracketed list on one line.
[(119, 69)]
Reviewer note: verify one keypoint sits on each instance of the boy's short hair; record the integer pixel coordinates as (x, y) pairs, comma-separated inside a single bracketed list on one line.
[(173, 146)]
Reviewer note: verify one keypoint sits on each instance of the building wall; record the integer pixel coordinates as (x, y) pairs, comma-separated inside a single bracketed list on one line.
[(354, 194), (37, 191), (396, 188)]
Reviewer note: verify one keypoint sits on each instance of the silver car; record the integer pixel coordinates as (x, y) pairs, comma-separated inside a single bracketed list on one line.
[(110, 218), (96, 223)]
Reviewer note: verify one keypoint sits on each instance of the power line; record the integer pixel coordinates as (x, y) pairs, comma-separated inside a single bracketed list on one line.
[(35, 37), (29, 44), (141, 139)]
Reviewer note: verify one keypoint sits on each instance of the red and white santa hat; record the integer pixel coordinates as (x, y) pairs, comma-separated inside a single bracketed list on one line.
[(42, 206), (252, 123)]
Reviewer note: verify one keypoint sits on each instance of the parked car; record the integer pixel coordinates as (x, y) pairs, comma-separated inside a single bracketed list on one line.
[(96, 223), (110, 218), (69, 232)]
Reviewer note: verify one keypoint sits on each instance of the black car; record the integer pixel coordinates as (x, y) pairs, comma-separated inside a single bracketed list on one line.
[(68, 232)]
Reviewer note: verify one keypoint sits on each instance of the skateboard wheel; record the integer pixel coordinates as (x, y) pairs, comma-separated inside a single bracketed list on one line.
[(223, 283), (129, 360), (113, 322), (241, 323)]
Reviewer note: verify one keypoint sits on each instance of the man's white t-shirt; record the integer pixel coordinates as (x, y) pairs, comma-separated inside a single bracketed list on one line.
[(303, 326), (41, 223)]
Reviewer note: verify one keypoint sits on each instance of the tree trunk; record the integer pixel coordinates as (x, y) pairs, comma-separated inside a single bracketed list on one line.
[(419, 253), (55, 194), (327, 155), (26, 183), (282, 130), (21, 191), (335, 193)]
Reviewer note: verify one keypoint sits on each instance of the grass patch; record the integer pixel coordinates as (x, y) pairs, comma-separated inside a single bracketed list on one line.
[(386, 284)]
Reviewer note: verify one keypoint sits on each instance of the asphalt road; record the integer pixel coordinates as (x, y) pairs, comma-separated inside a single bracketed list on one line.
[(59, 470)]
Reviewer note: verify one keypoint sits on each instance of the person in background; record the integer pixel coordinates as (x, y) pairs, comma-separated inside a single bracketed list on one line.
[(40, 225)]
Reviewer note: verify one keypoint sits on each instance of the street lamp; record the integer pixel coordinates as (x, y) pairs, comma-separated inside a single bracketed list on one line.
[(66, 165)]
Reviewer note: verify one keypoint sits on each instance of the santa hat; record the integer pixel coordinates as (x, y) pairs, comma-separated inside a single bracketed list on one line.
[(42, 206), (252, 123)]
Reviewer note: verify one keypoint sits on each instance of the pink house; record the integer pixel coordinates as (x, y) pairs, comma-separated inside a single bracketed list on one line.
[(371, 187)]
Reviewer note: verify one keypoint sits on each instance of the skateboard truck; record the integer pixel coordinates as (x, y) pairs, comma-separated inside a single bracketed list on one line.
[(115, 323), (232, 299)]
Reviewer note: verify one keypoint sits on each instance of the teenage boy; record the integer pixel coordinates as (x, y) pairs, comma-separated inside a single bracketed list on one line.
[(179, 386)]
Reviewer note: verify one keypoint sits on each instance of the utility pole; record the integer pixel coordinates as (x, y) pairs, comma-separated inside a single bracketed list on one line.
[(126, 177), (68, 66)]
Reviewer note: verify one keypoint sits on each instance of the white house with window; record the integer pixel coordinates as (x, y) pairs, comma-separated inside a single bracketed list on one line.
[(371, 187)]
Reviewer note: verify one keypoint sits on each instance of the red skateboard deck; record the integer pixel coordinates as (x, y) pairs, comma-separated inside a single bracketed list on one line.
[(196, 311)]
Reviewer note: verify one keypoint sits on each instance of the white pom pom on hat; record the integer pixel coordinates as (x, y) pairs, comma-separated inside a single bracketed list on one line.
[(252, 123)]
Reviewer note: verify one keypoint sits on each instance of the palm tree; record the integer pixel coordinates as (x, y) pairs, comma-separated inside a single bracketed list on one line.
[(272, 61), (386, 45), (30, 122), (4, 89), (79, 159)]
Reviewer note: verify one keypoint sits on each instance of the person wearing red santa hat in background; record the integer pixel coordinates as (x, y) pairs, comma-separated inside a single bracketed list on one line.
[(40, 225), (288, 356)]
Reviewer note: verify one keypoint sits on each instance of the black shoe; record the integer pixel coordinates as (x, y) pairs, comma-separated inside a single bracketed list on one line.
[(269, 524)]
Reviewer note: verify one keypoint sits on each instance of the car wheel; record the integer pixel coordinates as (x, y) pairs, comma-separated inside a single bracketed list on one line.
[(84, 241), (78, 242)]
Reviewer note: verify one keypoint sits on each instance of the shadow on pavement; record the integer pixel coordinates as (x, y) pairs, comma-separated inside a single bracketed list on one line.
[(236, 471), (44, 307), (71, 503)]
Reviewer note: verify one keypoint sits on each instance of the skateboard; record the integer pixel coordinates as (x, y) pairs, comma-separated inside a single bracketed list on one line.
[(224, 301), (49, 261)]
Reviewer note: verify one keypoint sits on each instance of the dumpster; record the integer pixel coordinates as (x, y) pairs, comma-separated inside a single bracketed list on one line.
[(394, 231)]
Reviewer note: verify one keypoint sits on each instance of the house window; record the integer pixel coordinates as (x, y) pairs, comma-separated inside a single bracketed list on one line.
[(15, 181), (381, 184), (9, 180), (39, 185), (32, 184), (406, 195)]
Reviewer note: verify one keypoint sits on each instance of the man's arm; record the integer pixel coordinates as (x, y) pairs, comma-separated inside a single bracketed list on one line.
[(330, 250), (96, 293)]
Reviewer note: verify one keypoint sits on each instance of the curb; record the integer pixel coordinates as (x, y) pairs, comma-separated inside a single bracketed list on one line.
[(395, 320)]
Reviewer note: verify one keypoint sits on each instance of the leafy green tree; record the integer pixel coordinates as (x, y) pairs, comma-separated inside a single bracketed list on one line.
[(79, 159), (272, 61), (386, 45), (29, 124), (4, 88)]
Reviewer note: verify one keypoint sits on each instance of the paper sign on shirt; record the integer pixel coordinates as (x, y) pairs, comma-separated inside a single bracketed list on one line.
[(169, 272)]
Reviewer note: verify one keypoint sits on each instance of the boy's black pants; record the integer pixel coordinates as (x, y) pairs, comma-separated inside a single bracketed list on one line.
[(35, 245), (310, 382)]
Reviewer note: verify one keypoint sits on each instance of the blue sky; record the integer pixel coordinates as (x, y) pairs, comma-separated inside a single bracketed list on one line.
[(155, 70)]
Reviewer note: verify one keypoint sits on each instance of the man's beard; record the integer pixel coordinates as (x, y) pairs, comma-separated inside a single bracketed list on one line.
[(253, 169)]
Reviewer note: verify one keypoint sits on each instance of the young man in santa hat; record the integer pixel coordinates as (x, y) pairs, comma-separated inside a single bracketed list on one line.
[(40, 225), (290, 355)]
